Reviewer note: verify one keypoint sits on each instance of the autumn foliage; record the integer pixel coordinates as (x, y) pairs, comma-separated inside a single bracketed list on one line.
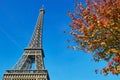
[(96, 29)]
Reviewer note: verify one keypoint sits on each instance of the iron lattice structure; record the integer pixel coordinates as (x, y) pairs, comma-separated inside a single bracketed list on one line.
[(33, 54)]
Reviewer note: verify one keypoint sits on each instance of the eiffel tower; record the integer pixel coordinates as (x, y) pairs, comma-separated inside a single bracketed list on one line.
[(33, 55)]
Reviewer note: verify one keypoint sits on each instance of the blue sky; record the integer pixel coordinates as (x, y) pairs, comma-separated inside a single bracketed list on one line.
[(17, 22)]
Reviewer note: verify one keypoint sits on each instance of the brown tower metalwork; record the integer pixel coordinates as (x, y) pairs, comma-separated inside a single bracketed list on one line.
[(33, 54)]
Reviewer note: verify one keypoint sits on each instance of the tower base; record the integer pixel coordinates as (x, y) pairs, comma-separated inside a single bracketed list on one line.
[(26, 75)]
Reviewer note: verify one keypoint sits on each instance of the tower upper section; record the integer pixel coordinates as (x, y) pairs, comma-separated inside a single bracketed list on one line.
[(36, 40), (34, 53)]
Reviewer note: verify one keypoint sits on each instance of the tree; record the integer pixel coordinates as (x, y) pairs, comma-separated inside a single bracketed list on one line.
[(95, 27)]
